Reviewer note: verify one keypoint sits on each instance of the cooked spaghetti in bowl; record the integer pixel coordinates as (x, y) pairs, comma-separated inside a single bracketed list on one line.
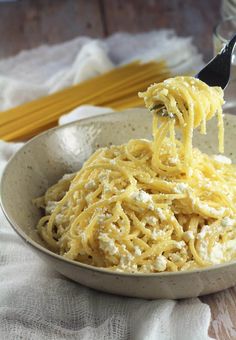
[(150, 206)]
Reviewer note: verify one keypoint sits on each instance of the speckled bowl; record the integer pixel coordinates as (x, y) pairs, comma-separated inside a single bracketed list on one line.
[(44, 159)]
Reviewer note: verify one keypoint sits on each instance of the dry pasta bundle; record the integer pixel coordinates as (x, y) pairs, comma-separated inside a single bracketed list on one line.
[(116, 89)]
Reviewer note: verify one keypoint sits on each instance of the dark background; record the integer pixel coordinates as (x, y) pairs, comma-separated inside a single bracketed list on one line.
[(25, 24)]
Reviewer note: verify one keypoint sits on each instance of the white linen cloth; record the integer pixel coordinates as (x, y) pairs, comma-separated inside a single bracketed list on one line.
[(36, 303)]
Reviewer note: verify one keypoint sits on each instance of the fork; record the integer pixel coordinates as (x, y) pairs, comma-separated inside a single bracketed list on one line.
[(217, 71)]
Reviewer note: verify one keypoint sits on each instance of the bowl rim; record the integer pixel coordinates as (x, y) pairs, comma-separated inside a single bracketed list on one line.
[(46, 251)]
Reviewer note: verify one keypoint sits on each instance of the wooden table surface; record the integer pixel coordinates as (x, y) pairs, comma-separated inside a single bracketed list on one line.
[(25, 24)]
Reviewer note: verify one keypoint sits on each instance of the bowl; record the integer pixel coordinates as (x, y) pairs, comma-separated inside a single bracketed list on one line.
[(47, 157)]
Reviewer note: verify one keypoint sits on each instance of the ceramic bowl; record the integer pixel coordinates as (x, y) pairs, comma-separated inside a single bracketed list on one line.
[(45, 158)]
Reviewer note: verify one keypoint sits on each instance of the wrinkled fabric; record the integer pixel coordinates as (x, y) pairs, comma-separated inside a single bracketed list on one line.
[(46, 69)]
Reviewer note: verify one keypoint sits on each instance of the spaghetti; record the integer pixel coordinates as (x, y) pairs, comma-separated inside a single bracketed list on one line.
[(116, 89), (150, 206)]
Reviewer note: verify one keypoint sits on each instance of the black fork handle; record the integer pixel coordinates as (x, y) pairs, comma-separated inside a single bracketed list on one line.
[(217, 71), (228, 48)]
